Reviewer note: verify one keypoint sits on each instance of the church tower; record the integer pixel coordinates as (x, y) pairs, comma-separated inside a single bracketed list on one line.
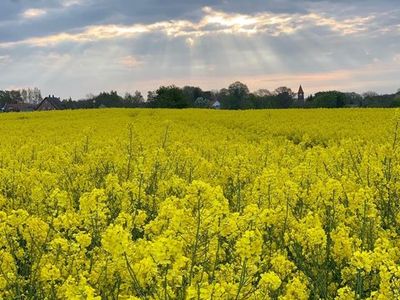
[(300, 94)]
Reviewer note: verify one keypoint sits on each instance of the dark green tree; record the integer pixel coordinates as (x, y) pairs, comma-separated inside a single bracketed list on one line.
[(330, 99), (238, 93), (169, 97), (191, 94), (284, 97)]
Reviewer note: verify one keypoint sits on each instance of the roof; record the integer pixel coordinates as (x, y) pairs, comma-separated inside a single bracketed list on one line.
[(301, 90), (18, 107), (54, 101)]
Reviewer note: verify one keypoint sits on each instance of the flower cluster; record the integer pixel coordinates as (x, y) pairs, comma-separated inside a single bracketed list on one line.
[(161, 204)]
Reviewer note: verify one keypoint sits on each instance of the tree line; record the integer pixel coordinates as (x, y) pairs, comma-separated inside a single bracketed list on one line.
[(235, 96), (30, 95)]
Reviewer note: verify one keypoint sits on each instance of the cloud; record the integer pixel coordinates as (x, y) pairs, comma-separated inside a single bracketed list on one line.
[(4, 59), (33, 13), (83, 46), (130, 61), (68, 3), (190, 41), (212, 22), (344, 27)]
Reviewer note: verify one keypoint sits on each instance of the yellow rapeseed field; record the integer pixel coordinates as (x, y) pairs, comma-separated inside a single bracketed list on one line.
[(200, 204)]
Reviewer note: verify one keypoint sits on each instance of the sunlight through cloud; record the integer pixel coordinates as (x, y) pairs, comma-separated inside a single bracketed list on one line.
[(33, 13), (130, 61), (213, 22)]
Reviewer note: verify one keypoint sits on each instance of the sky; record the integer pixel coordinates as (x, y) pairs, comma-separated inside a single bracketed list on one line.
[(72, 48)]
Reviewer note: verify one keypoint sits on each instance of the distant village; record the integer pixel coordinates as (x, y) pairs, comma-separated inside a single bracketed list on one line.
[(236, 96), (48, 103)]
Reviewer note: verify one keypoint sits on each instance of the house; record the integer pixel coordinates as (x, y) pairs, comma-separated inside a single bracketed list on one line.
[(50, 103), (18, 107), (216, 105)]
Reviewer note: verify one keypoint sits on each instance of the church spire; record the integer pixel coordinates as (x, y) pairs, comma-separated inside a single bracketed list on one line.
[(300, 94)]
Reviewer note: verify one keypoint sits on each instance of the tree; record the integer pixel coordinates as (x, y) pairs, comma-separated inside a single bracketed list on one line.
[(237, 93), (263, 93), (284, 96), (223, 97), (369, 94), (111, 99), (138, 98), (15, 96), (128, 98), (284, 90), (396, 101), (201, 102), (30, 95), (151, 96), (10, 97), (353, 99), (24, 95), (4, 98), (169, 97), (329, 99), (238, 89), (133, 100), (191, 94), (90, 96), (37, 96)]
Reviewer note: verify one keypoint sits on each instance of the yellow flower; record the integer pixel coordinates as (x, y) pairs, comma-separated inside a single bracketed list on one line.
[(49, 272), (362, 260), (296, 289), (84, 239), (115, 240), (270, 281), (345, 293), (77, 289), (342, 244), (249, 245), (224, 205), (282, 266)]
